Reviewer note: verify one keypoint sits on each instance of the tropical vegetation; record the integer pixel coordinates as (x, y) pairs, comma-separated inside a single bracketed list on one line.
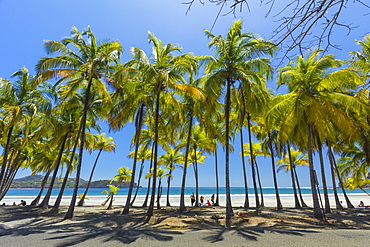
[(184, 109)]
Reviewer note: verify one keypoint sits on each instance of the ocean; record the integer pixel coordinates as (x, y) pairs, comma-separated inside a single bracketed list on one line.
[(174, 192)]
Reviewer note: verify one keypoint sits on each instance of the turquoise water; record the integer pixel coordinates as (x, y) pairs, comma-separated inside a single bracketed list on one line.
[(175, 191)]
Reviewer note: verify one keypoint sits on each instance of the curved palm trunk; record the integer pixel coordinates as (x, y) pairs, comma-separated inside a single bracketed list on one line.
[(331, 157), (348, 202), (137, 139), (168, 204), (82, 200), (45, 202), (252, 165), (5, 161), (323, 177), (217, 202), (229, 209), (138, 182), (318, 213), (159, 193), (182, 195), (259, 183), (246, 200), (303, 204), (279, 206), (195, 166), (149, 213), (145, 203), (296, 201), (110, 202), (11, 173), (71, 208), (35, 202), (55, 208)]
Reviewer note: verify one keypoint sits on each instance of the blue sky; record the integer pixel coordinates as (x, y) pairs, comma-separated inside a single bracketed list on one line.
[(25, 24)]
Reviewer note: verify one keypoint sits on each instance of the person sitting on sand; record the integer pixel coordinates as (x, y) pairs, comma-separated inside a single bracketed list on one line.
[(23, 203), (361, 204), (213, 199), (207, 204), (14, 204), (192, 199), (201, 199)]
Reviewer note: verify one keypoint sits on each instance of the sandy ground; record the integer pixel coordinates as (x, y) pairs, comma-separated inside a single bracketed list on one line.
[(202, 226), (199, 226)]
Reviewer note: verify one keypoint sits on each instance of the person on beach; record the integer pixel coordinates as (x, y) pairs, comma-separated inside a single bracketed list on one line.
[(207, 204), (192, 199), (23, 203), (213, 199), (14, 204), (201, 199), (361, 204)]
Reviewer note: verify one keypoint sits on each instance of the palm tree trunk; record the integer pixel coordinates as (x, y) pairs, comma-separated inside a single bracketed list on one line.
[(71, 208), (318, 213), (5, 160), (229, 209), (259, 183), (110, 202), (106, 199), (182, 194), (279, 206), (45, 202), (149, 213), (138, 183), (252, 165), (246, 200), (296, 201), (323, 177), (159, 194), (168, 204), (195, 166), (348, 202), (137, 139), (331, 157), (303, 204), (145, 203), (217, 203), (35, 202), (55, 208), (82, 200)]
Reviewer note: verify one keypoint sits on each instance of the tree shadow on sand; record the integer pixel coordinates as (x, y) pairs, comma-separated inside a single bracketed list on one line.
[(101, 227)]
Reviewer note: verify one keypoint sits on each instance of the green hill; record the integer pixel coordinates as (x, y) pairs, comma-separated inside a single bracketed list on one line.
[(35, 182)]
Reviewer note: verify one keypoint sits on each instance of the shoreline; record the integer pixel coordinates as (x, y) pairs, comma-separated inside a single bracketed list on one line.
[(237, 200)]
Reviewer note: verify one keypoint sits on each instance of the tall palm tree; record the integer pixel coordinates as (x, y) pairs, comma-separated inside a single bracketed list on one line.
[(289, 163), (236, 60), (164, 71), (172, 157), (102, 143), (81, 65)]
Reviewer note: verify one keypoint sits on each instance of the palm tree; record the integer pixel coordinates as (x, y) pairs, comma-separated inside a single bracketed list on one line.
[(82, 66), (172, 157), (161, 173), (318, 99), (236, 61), (162, 71), (123, 175), (113, 190), (101, 144), (288, 163)]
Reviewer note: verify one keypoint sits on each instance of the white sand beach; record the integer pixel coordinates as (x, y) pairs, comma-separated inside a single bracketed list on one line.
[(237, 200)]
